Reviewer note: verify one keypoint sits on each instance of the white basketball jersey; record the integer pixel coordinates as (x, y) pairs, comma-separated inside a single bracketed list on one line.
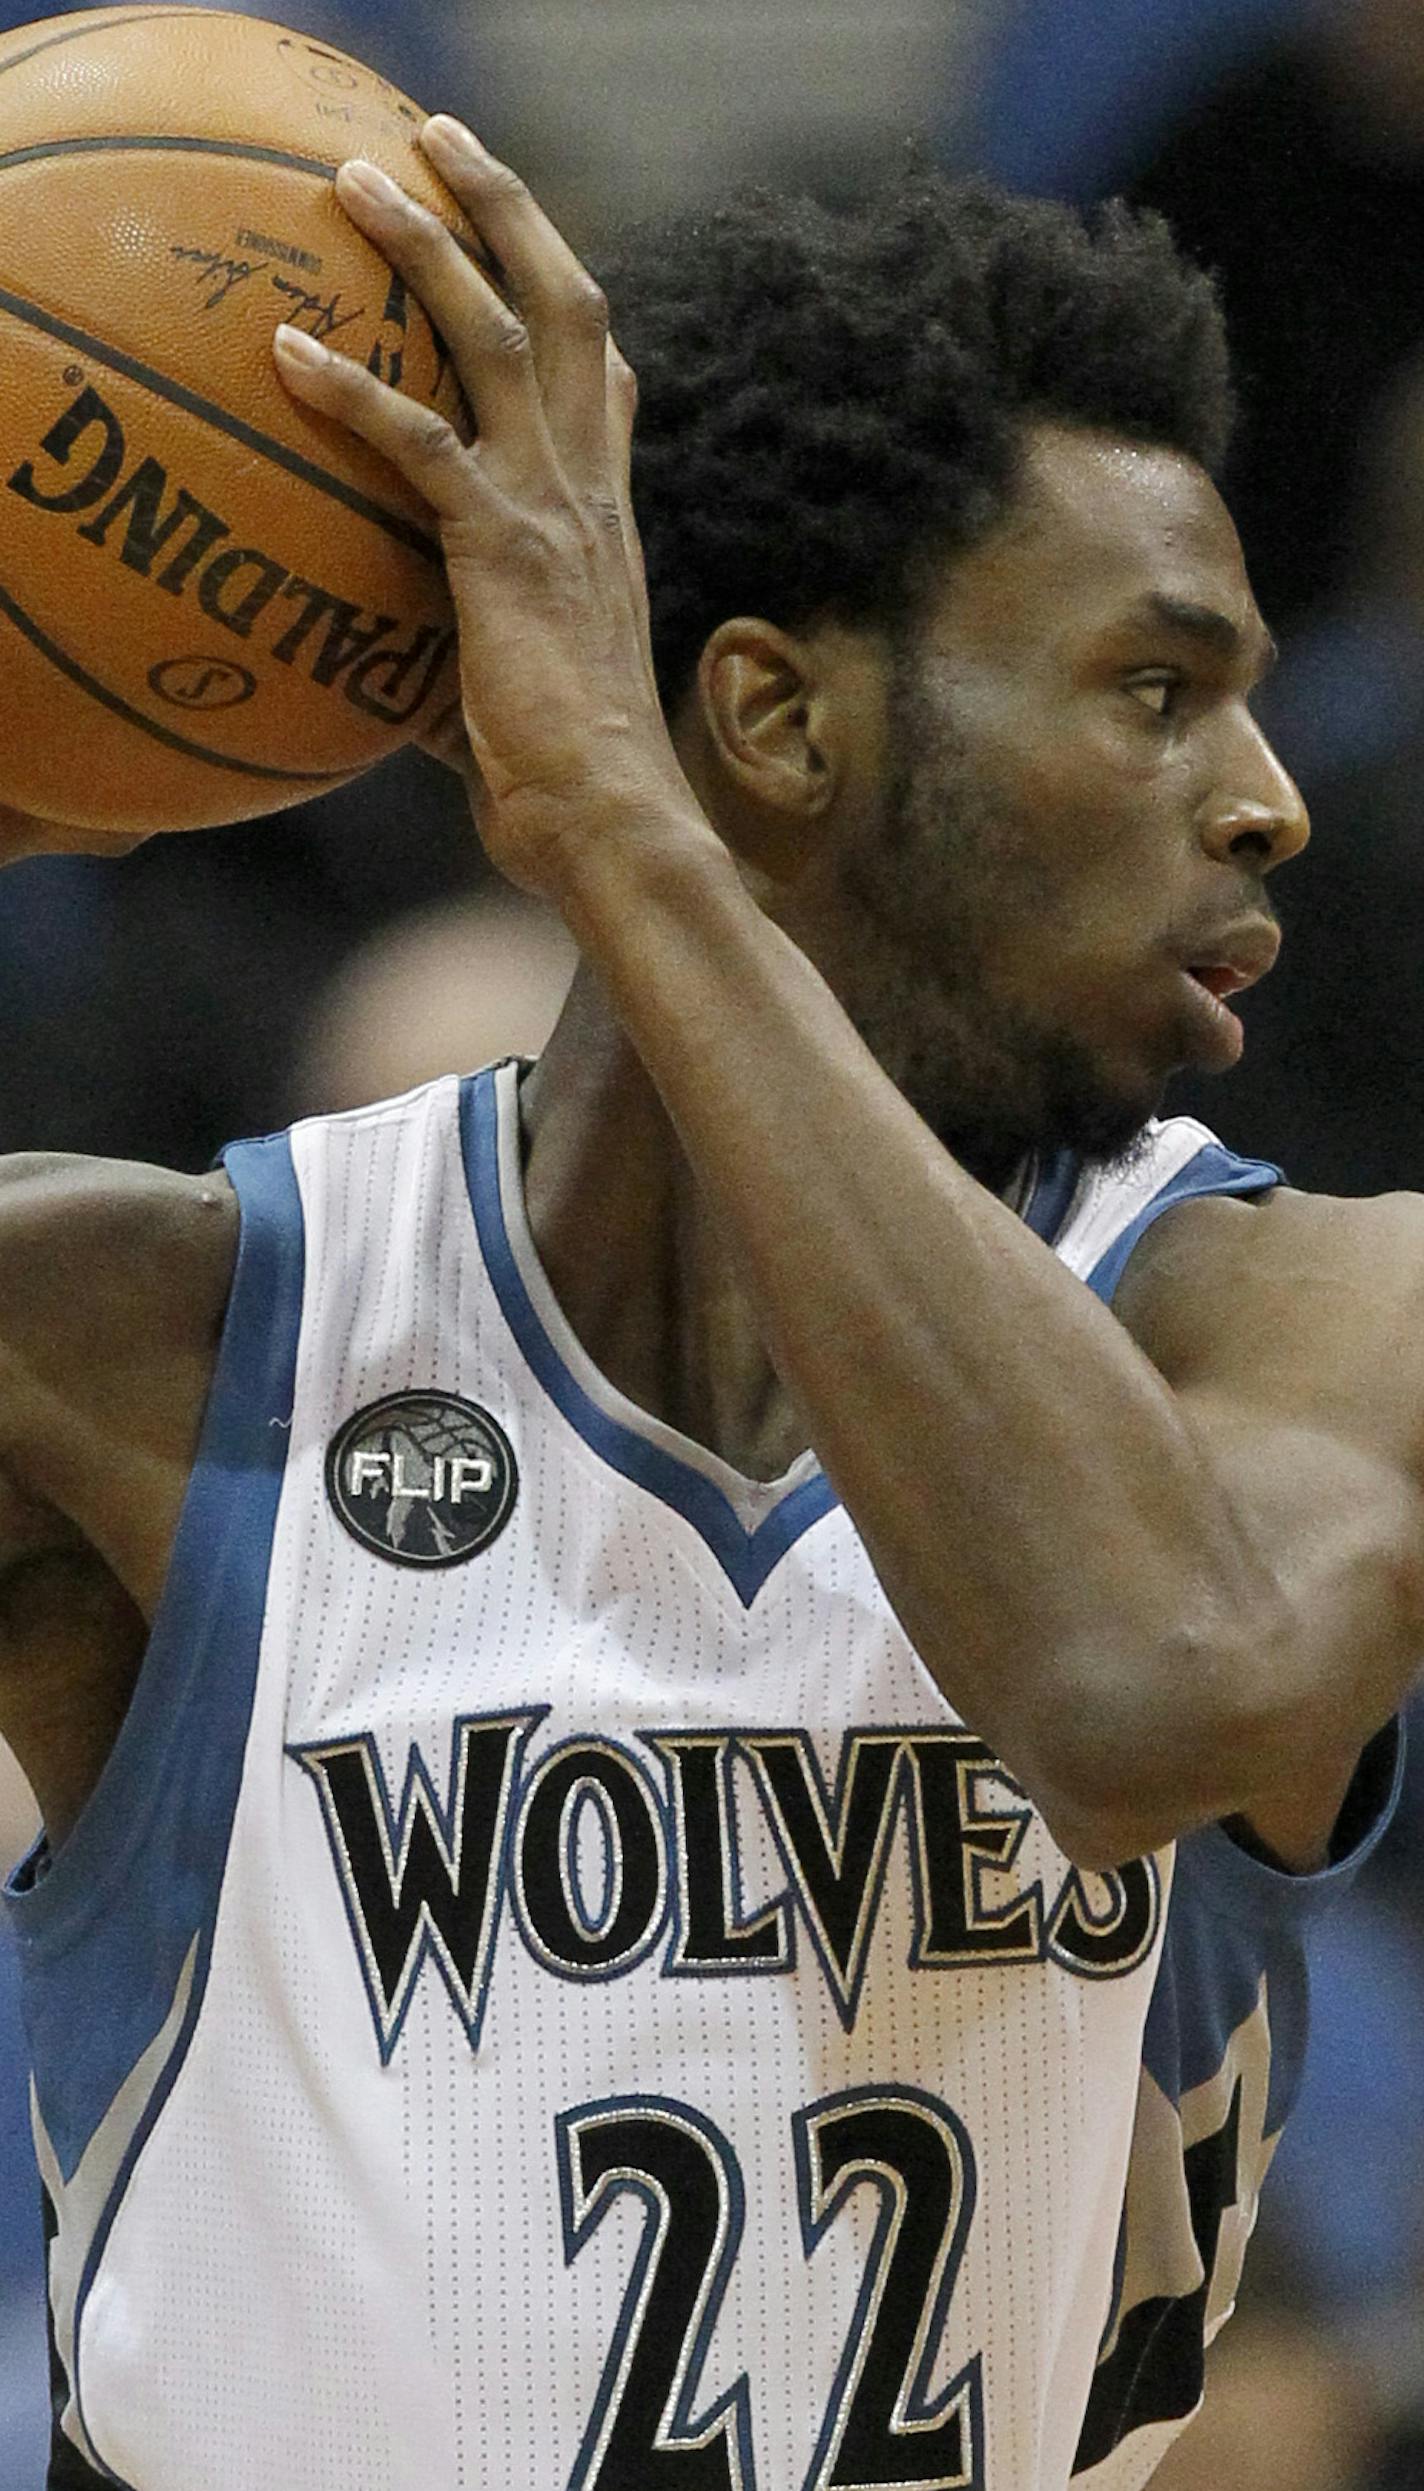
[(548, 1993)]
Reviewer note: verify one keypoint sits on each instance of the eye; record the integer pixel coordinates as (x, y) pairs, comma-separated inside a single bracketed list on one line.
[(1158, 691)]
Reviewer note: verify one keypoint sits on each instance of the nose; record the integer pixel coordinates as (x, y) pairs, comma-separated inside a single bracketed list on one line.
[(1257, 816)]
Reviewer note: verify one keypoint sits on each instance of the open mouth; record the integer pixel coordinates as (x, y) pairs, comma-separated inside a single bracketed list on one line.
[(1218, 1038), (1220, 981)]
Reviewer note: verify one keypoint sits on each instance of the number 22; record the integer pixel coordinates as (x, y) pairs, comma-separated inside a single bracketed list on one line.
[(881, 2430)]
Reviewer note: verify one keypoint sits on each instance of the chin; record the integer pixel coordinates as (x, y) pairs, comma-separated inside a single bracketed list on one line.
[(1105, 1136), (1097, 1110), (1097, 1127)]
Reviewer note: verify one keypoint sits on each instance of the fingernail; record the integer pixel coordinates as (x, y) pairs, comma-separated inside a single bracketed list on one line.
[(451, 135), (376, 184), (300, 348)]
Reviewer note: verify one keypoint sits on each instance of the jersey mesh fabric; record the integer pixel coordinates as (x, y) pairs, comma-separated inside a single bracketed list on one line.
[(413, 2178)]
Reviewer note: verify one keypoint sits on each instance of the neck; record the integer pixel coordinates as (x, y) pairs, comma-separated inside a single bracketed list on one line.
[(634, 1259)]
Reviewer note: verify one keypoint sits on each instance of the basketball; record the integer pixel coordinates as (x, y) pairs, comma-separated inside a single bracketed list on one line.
[(213, 603)]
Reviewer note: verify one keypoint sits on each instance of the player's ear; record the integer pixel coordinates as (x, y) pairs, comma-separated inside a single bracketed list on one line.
[(765, 708)]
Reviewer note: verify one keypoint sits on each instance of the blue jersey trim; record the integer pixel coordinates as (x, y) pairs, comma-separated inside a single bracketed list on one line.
[(104, 1934), (747, 1558), (1055, 1182), (1241, 1887), (1234, 1922), (1214, 1170)]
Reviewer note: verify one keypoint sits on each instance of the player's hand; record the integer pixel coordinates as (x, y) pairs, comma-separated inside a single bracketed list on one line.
[(560, 702)]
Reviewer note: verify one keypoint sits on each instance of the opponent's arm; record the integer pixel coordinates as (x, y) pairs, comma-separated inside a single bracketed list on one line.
[(1062, 1536)]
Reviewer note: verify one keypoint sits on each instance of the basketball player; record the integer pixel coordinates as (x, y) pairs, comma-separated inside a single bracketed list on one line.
[(682, 1783)]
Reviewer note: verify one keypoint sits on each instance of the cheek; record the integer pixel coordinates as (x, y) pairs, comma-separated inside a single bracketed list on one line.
[(1074, 766), (1120, 805), (1073, 835), (1111, 775), (1054, 823)]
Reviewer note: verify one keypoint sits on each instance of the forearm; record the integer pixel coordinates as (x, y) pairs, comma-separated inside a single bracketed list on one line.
[(1037, 1510)]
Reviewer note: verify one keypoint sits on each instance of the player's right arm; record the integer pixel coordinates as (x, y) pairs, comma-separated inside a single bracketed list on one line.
[(113, 1283)]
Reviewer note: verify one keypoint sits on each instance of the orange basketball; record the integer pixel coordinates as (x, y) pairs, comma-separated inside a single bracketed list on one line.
[(213, 603)]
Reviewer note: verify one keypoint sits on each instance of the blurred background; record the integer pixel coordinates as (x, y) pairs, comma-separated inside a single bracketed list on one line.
[(159, 1007)]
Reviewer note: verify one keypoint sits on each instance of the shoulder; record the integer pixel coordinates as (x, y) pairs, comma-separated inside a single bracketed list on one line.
[(77, 1207), (103, 1259), (1246, 1228), (120, 1201), (1287, 1292)]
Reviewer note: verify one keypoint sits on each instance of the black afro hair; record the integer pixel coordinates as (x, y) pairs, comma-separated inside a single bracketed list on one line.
[(829, 399)]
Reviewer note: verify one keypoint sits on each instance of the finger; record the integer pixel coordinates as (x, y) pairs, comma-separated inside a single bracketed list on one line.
[(622, 416), (489, 343), (565, 311), (416, 439)]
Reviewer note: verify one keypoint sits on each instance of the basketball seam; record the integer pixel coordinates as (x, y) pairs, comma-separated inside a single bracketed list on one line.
[(59, 658), (170, 143), (76, 34), (404, 531), (176, 143)]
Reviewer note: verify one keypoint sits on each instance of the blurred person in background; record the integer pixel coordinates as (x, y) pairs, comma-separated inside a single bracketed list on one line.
[(435, 993), (1342, 2229), (1066, 98), (189, 969), (1299, 178), (1287, 2409), (1284, 142)]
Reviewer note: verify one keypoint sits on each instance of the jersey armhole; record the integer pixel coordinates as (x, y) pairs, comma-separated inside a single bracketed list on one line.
[(110, 1927), (1212, 1171), (1238, 1880)]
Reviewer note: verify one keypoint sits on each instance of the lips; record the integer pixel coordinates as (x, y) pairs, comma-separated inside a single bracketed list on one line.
[(1228, 961), (1219, 981)]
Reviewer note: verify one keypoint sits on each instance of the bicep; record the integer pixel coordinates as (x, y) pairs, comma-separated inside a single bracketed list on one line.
[(1291, 1334), (113, 1281), (1339, 1521)]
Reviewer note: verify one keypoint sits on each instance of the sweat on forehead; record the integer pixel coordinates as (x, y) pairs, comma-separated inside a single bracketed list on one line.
[(1102, 530)]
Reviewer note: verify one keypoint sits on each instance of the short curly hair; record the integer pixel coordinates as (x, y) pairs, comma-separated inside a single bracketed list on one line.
[(830, 400)]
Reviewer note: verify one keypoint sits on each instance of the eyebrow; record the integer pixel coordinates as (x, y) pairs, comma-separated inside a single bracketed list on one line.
[(1203, 623)]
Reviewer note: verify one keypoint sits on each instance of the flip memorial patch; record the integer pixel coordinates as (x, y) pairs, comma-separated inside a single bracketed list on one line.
[(422, 1479)]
